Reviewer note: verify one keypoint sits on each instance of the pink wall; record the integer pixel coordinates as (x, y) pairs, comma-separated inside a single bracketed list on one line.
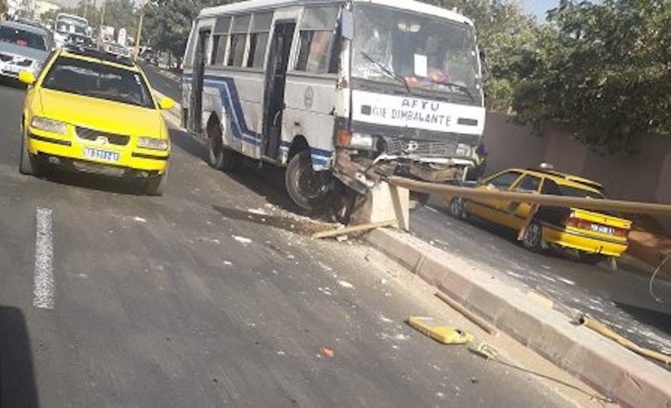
[(643, 176)]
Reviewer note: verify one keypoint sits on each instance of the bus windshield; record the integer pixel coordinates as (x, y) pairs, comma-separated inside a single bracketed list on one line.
[(71, 25), (424, 51)]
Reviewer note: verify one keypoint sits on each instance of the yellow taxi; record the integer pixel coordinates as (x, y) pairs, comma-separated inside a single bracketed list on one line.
[(594, 235), (94, 112)]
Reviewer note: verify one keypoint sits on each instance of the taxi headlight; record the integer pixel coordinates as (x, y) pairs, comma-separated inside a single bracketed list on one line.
[(49, 125), (152, 143)]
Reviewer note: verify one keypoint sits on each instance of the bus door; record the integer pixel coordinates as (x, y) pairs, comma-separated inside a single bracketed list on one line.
[(276, 77), (199, 61)]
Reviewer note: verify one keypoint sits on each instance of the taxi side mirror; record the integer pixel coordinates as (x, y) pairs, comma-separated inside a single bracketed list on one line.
[(27, 78), (166, 103)]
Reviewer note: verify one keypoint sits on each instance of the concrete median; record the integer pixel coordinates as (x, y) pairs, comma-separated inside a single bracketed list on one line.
[(613, 370)]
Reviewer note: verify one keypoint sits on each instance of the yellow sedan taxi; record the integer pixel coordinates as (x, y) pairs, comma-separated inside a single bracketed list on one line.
[(94, 112), (593, 235)]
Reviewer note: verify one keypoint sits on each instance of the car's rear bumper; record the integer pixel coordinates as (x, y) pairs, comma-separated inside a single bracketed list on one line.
[(583, 242), (71, 151)]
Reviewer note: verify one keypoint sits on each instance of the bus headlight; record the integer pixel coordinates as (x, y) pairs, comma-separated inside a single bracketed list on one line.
[(361, 141), (464, 150)]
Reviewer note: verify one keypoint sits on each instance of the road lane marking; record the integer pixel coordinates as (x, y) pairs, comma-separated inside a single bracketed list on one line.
[(44, 260)]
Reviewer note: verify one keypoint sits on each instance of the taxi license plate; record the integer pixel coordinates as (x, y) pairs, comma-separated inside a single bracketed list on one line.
[(98, 154), (602, 229)]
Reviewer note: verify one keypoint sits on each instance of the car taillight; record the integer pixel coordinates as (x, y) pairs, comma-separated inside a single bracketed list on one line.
[(621, 232), (577, 223)]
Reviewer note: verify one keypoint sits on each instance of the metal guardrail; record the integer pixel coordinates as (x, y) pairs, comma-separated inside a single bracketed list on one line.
[(630, 207)]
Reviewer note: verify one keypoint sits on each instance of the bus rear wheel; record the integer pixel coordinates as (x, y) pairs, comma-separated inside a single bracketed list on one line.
[(220, 157), (309, 189)]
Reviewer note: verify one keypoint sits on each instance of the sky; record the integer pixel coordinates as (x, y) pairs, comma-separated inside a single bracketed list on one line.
[(539, 7)]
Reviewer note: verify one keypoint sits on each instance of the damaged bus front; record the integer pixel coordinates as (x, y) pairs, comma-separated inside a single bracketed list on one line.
[(414, 93)]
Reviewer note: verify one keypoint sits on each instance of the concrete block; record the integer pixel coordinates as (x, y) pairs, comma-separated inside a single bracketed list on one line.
[(384, 203)]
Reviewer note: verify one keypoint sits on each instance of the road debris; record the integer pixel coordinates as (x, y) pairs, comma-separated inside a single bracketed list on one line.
[(242, 240), (480, 322), (354, 228), (601, 328), (439, 332), (326, 352), (139, 219), (345, 284)]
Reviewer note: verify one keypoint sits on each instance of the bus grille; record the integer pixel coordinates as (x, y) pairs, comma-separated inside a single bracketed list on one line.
[(421, 148)]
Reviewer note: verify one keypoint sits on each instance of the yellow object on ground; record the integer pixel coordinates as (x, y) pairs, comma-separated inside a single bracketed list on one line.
[(439, 332)]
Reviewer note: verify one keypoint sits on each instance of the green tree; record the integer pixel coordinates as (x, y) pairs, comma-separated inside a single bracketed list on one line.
[(3, 8), (604, 71), (168, 23), (506, 34)]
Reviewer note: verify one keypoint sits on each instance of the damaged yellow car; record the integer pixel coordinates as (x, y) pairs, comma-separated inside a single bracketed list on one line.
[(93, 112), (594, 235)]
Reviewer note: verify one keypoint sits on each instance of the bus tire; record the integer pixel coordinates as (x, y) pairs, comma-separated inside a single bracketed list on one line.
[(309, 189), (219, 156)]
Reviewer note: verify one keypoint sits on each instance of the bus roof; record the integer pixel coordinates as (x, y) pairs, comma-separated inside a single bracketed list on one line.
[(410, 5), (72, 16)]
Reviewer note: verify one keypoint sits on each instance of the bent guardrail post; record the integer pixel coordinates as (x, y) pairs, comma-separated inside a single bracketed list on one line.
[(630, 207)]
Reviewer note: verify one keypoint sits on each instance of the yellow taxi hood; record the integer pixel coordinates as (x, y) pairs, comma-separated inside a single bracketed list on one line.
[(100, 114)]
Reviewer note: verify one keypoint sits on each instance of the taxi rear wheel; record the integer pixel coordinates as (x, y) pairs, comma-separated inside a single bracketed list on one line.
[(28, 164), (533, 237), (458, 208)]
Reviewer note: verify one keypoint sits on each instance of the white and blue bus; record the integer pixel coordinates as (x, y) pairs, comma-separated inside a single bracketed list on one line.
[(347, 90)]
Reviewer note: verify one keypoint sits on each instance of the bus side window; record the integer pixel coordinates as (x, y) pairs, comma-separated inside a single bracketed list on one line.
[(316, 40), (258, 39), (220, 40), (236, 52)]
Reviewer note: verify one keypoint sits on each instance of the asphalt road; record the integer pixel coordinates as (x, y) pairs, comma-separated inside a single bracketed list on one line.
[(619, 298), (209, 296)]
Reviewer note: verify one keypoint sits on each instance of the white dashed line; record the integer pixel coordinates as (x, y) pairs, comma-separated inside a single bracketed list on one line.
[(44, 258)]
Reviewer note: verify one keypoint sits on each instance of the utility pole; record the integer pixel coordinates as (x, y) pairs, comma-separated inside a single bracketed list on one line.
[(102, 21), (138, 37)]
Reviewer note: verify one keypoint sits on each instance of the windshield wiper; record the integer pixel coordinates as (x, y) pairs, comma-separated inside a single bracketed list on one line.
[(388, 71), (462, 88)]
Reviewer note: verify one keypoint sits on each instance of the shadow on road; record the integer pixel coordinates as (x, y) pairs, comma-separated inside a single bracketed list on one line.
[(266, 181), (97, 182), (17, 377), (654, 318), (12, 83)]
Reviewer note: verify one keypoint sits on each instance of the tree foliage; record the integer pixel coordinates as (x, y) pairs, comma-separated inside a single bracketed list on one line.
[(604, 71), (168, 22), (3, 8)]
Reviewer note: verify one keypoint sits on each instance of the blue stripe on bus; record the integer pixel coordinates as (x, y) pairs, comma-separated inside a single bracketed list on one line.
[(230, 99)]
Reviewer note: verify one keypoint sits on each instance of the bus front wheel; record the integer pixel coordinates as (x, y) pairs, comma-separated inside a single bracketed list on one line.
[(309, 189)]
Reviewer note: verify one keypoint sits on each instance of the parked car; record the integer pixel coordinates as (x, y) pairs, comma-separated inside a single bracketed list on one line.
[(594, 235), (90, 111), (23, 47)]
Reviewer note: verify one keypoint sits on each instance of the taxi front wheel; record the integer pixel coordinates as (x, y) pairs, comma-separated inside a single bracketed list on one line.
[(156, 186), (28, 164)]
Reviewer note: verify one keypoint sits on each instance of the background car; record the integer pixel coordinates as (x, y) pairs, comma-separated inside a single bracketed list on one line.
[(594, 235), (23, 47), (90, 111)]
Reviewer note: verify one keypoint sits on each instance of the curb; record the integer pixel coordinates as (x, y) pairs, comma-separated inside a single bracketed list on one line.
[(609, 368)]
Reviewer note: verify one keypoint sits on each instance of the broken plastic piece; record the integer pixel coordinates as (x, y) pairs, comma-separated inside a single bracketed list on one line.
[(326, 352), (485, 351), (441, 333)]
